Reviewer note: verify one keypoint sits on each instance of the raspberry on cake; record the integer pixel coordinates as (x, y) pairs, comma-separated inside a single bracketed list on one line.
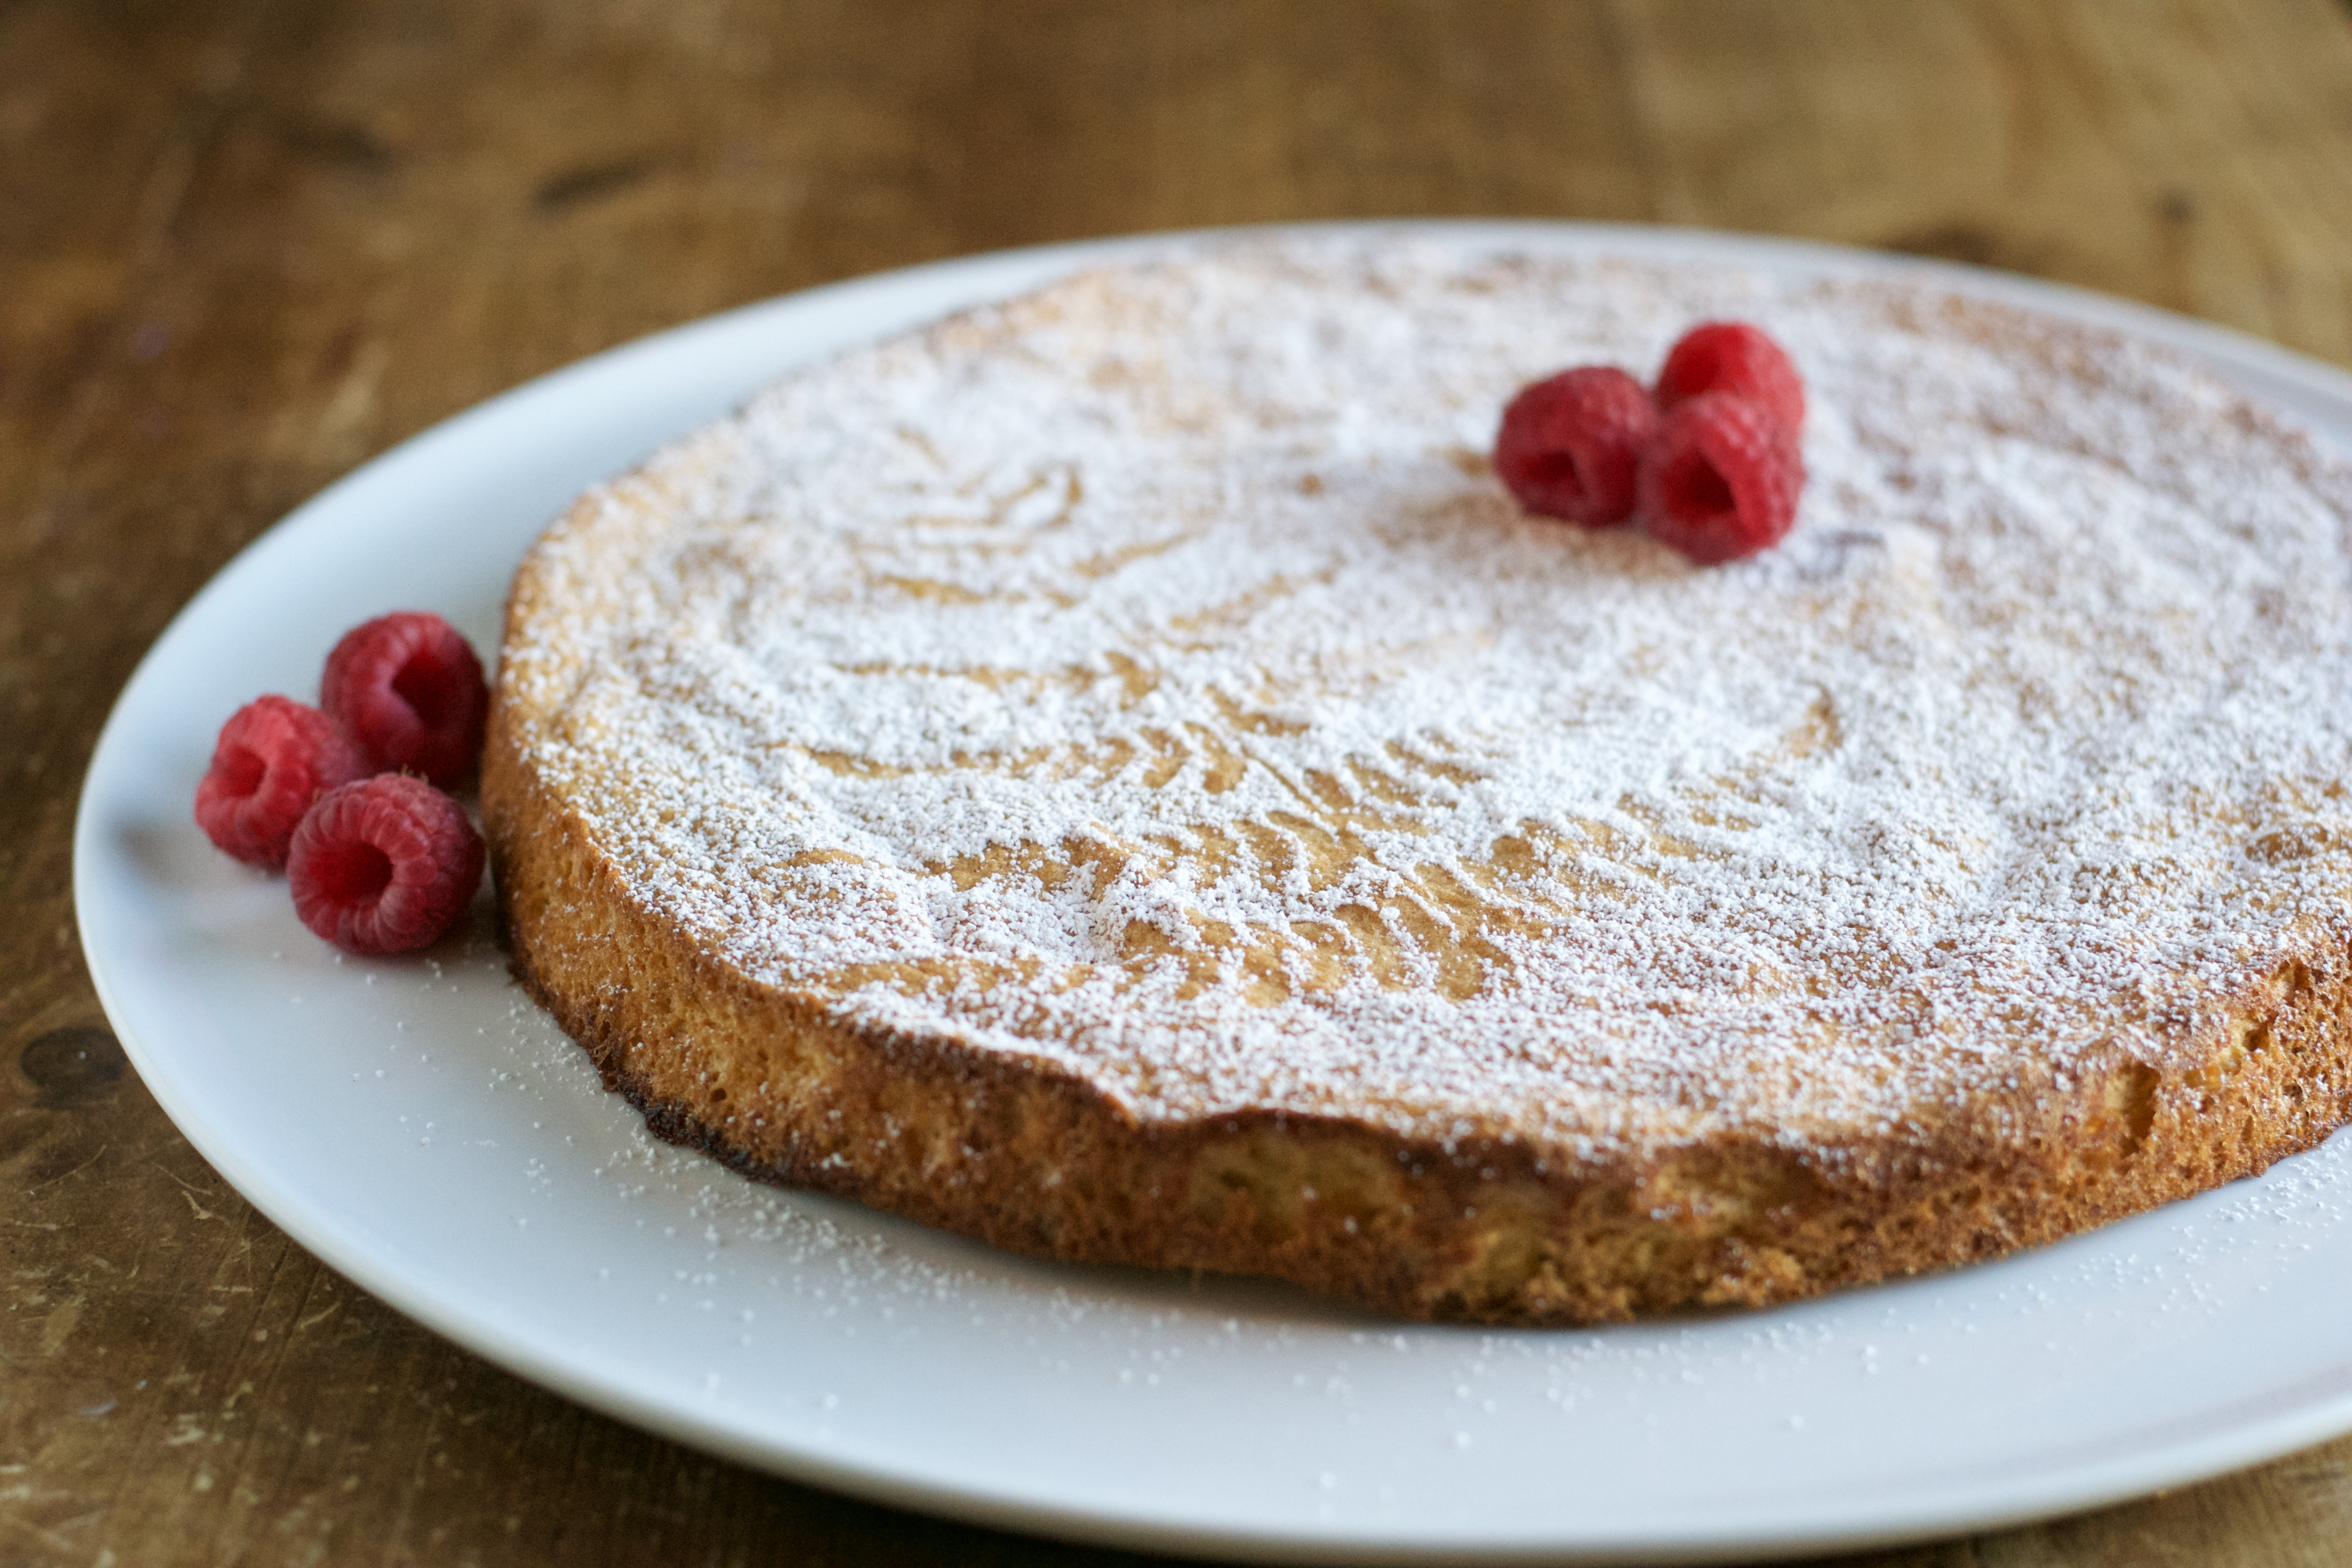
[(1571, 444), (1735, 357), (1720, 478), (1112, 773)]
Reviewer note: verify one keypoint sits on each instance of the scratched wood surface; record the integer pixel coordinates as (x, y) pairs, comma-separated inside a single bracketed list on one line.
[(245, 243)]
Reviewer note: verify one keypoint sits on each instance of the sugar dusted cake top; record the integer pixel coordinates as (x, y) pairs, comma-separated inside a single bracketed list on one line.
[(1148, 679)]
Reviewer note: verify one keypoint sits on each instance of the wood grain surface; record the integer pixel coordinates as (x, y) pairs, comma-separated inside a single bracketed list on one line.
[(245, 243)]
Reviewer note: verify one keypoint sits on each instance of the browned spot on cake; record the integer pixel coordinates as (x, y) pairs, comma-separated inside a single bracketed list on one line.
[(1327, 953), (1137, 682), (931, 588), (1252, 721), (2296, 842), (1379, 949), (1473, 916), (1460, 973), (1144, 948), (1233, 612), (1169, 756), (1659, 839), (1707, 816), (1013, 764), (1273, 852), (1103, 565), (851, 766), (826, 858), (1515, 854), (1333, 804), (920, 443), (1452, 772), (1264, 980), (1050, 868), (1383, 787), (1226, 767), (1114, 755), (1328, 854)]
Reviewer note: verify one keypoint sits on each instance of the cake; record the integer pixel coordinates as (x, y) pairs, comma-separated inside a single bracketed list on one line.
[(1111, 774)]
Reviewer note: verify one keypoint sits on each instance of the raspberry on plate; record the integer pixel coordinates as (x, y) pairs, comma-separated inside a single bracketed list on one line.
[(384, 865), (274, 757), (1721, 479), (411, 692), (1569, 444), (1732, 356)]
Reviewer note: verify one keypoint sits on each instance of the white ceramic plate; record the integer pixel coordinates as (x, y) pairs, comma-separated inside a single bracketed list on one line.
[(420, 1126)]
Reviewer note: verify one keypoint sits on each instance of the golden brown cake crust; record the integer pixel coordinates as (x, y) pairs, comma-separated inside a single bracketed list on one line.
[(1424, 1211)]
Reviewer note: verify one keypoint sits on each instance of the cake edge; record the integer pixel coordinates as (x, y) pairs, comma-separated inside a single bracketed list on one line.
[(1493, 1227)]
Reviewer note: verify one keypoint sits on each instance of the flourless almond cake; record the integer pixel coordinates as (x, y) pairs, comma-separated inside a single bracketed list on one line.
[(1112, 773)]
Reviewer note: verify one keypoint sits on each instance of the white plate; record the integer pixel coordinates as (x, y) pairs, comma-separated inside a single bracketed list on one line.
[(421, 1127)]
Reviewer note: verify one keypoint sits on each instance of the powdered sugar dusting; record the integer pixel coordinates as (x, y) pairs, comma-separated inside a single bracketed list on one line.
[(1147, 678)]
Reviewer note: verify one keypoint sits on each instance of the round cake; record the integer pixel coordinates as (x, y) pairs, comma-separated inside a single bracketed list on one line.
[(1112, 773)]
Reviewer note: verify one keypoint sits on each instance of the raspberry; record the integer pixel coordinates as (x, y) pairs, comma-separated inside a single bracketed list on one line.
[(411, 693), (1732, 356), (1569, 444), (384, 865), (274, 757), (1721, 479)]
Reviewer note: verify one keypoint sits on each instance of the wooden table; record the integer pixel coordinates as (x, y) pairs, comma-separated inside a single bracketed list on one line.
[(245, 243)]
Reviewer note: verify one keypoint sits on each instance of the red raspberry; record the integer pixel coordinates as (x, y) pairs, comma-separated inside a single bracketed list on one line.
[(1722, 478), (411, 693), (1569, 444), (1732, 356), (274, 757), (384, 865)]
